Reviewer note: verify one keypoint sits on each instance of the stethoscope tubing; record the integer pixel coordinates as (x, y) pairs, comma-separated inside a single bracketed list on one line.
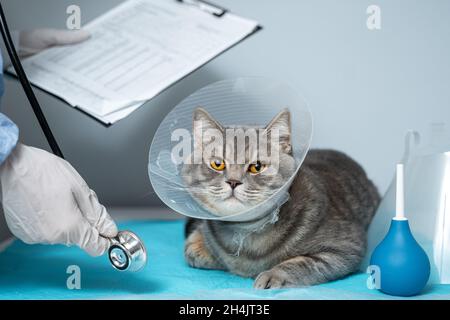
[(15, 60)]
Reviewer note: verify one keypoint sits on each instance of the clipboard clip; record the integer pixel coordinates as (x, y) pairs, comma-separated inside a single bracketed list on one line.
[(206, 6)]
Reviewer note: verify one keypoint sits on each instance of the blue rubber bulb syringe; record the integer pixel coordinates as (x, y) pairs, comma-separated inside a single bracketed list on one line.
[(403, 264)]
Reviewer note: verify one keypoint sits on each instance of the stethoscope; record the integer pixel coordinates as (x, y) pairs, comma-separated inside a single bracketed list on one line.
[(127, 252)]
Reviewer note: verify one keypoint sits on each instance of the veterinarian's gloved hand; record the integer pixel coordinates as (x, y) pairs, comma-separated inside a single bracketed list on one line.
[(34, 41), (46, 201)]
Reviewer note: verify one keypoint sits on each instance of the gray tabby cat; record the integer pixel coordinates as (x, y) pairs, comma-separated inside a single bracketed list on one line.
[(319, 235)]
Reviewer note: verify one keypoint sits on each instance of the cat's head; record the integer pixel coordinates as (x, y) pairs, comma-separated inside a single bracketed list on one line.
[(234, 176)]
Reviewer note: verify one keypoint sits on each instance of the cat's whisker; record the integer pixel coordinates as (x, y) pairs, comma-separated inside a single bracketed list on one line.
[(255, 192)]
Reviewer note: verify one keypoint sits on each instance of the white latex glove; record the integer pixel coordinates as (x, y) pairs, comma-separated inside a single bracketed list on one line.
[(46, 201), (34, 41)]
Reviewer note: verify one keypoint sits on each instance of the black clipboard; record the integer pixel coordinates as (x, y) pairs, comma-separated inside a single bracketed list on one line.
[(205, 6)]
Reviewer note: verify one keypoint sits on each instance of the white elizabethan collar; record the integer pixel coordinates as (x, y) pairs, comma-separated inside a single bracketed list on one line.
[(237, 102)]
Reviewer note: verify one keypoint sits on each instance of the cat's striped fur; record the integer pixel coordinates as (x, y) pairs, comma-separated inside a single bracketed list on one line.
[(320, 234)]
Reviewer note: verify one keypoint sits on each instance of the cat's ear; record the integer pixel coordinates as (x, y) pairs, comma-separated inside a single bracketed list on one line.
[(282, 124), (204, 121)]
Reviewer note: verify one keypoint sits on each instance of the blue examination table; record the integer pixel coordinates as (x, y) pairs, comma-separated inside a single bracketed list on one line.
[(40, 272)]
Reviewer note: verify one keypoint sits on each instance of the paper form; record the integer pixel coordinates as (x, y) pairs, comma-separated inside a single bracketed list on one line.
[(137, 50)]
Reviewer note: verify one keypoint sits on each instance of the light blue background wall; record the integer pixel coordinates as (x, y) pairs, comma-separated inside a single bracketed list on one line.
[(365, 88)]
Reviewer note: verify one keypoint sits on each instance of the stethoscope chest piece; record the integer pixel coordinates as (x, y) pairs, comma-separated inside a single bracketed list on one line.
[(127, 252)]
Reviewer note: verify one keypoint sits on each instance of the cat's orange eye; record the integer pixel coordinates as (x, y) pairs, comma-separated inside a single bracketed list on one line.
[(256, 168), (218, 165)]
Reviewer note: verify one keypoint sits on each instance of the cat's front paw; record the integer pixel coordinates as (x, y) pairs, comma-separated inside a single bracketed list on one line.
[(273, 279), (196, 254)]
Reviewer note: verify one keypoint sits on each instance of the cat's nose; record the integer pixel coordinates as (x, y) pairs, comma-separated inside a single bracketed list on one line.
[(234, 183)]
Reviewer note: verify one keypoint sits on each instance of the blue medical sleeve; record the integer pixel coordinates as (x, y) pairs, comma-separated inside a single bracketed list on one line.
[(9, 134)]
